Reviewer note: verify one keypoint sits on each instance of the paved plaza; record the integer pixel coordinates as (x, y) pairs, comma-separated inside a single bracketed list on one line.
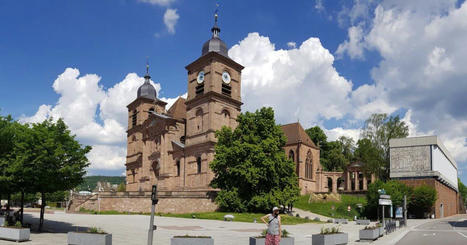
[(132, 229)]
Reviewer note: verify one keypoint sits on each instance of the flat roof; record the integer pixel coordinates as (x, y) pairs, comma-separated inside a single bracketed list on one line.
[(422, 141)]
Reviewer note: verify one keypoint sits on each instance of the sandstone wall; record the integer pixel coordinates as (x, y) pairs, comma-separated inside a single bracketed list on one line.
[(140, 202)]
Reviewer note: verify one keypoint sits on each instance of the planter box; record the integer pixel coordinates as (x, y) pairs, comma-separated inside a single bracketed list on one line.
[(372, 234), (341, 221), (363, 222), (260, 241), (191, 241), (330, 239), (14, 234), (80, 238), (381, 231), (2, 221)]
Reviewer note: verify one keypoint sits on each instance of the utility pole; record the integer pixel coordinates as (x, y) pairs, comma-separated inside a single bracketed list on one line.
[(152, 227), (405, 210)]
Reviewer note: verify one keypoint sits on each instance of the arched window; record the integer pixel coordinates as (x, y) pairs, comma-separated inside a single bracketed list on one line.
[(199, 120), (134, 118), (198, 165), (292, 155), (309, 166), (178, 167)]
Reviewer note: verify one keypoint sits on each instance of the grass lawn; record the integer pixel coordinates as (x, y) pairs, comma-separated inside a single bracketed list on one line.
[(325, 208), (239, 217)]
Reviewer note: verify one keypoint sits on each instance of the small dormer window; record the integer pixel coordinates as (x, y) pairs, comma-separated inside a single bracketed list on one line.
[(151, 110)]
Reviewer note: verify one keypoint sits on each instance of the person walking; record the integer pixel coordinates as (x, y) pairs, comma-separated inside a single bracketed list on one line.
[(273, 234)]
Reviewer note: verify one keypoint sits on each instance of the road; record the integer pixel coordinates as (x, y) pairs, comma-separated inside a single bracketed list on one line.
[(447, 231)]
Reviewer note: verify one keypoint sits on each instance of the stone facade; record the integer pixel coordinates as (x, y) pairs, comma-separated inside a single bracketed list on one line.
[(425, 160)]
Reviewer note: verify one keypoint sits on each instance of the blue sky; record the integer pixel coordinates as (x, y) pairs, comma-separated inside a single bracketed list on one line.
[(327, 63)]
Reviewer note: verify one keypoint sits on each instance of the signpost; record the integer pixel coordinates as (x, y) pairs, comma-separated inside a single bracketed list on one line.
[(152, 227), (384, 200)]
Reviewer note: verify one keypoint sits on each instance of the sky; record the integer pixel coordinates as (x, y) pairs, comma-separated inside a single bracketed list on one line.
[(319, 62)]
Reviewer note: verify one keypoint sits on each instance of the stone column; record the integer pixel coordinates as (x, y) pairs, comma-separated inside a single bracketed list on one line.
[(357, 187), (348, 181), (365, 187), (334, 185)]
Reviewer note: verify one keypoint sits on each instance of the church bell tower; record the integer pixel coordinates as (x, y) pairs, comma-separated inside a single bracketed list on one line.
[(214, 100)]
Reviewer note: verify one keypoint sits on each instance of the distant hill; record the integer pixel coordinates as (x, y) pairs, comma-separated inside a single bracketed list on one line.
[(90, 182)]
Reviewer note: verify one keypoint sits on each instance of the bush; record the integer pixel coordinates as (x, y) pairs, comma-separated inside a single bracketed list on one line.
[(422, 200), (395, 189)]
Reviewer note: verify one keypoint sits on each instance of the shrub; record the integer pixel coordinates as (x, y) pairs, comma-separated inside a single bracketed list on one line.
[(330, 230), (96, 230), (422, 200)]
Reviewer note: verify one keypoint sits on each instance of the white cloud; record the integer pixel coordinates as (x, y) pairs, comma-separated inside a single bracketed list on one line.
[(319, 5), (81, 98), (292, 44), (170, 19), (422, 67), (158, 2), (291, 80), (335, 133), (354, 46)]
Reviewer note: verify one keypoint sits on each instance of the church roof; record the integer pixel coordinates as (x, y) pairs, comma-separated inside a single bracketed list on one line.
[(178, 109), (296, 134)]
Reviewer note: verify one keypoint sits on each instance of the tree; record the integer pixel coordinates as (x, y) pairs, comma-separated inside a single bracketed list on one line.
[(250, 166), (394, 188), (422, 200), (371, 155), (317, 135), (121, 187), (462, 190), (379, 129), (58, 161), (7, 139)]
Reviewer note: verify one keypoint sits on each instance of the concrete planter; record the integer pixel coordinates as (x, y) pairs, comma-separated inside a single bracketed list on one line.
[(2, 220), (341, 221), (371, 234), (260, 241), (14, 234), (363, 222), (381, 231), (80, 238), (191, 241), (330, 239)]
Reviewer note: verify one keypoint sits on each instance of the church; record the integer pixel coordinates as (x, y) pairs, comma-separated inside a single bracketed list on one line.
[(173, 147)]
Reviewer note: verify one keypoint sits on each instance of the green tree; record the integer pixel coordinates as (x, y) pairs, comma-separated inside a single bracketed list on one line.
[(394, 188), (371, 155), (250, 166), (58, 160), (317, 135), (422, 200), (462, 190), (7, 139), (379, 129)]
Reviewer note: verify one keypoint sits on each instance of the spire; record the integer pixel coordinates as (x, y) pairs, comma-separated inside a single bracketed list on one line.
[(147, 77), (215, 29)]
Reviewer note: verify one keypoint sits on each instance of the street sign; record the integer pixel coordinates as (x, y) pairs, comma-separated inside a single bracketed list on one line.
[(399, 212), (385, 202), (385, 196)]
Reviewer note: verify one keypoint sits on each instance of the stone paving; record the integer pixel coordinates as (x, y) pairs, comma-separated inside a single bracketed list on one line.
[(132, 229)]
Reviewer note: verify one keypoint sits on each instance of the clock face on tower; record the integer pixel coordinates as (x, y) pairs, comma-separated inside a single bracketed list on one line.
[(226, 77), (200, 78)]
